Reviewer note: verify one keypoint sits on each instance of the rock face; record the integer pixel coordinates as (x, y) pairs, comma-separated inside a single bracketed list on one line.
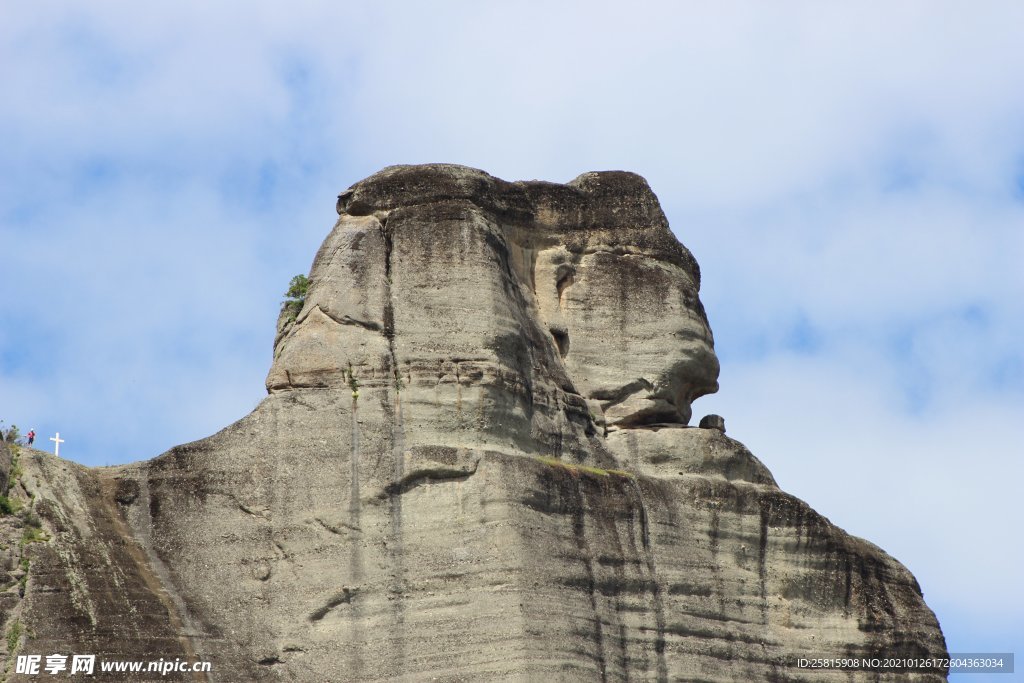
[(472, 464), (5, 465)]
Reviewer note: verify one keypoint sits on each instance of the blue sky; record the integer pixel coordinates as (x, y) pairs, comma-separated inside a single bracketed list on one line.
[(851, 179)]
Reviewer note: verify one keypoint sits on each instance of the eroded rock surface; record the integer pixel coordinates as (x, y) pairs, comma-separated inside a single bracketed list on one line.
[(472, 464)]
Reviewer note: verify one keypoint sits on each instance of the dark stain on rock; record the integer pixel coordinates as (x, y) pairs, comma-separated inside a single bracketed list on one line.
[(345, 597), (126, 491), (579, 532)]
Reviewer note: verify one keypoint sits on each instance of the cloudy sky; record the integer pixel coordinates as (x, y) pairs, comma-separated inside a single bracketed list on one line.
[(851, 179)]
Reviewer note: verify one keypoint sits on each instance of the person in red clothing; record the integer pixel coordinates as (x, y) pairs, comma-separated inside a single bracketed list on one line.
[(30, 437)]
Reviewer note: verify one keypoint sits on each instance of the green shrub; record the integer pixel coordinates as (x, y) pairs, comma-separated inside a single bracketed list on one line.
[(23, 581), (298, 287), (11, 435), (295, 297), (16, 471), (31, 534), (353, 383), (8, 506), (13, 636)]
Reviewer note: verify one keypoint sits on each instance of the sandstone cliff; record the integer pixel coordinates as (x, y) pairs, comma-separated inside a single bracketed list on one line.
[(473, 463)]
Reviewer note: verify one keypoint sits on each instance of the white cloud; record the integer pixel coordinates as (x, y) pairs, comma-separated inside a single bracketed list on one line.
[(936, 490)]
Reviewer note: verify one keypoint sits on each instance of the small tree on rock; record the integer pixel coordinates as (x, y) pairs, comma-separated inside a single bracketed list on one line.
[(10, 435), (295, 297)]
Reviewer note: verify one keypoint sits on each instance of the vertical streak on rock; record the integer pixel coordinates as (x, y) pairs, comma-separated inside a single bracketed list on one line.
[(155, 572), (849, 585), (355, 556), (798, 529), (579, 530), (642, 661), (652, 575), (396, 544), (716, 566), (762, 566), (353, 502), (633, 448), (458, 393), (619, 585)]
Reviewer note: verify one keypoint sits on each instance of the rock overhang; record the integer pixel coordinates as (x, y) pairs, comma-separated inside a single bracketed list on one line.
[(553, 265)]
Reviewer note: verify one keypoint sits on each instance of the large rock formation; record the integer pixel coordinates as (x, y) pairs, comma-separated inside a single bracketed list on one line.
[(473, 464)]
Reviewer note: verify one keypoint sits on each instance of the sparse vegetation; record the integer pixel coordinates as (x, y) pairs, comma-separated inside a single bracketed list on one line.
[(16, 470), (10, 434), (576, 470), (23, 581), (9, 506), (13, 637), (31, 534), (295, 297), (353, 383)]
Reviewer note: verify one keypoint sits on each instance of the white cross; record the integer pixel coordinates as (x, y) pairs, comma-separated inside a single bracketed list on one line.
[(57, 441)]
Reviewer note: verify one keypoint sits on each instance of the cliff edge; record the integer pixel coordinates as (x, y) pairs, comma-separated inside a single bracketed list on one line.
[(473, 463)]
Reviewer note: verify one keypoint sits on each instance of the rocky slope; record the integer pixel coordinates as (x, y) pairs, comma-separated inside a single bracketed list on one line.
[(473, 463)]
